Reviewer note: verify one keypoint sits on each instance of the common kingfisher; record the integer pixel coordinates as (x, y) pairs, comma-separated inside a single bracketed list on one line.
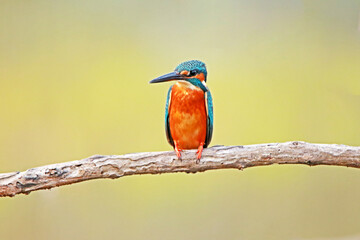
[(189, 117)]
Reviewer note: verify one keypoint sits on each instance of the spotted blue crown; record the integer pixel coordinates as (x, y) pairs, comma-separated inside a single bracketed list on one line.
[(192, 65)]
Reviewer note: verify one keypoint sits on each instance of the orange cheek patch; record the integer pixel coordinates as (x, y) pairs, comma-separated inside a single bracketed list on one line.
[(184, 72), (200, 76)]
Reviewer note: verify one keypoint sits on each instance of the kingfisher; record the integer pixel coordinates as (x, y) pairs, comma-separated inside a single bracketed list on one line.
[(189, 117)]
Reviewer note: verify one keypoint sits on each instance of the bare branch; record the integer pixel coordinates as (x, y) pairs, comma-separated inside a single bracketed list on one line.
[(217, 157)]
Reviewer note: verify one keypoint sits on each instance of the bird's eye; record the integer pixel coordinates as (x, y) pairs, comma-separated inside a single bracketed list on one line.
[(193, 73)]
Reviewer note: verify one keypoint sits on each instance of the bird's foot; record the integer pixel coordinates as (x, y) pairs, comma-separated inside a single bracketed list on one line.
[(178, 151), (199, 152)]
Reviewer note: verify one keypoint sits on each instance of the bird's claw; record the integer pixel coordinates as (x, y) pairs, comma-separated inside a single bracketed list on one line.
[(178, 151), (199, 152)]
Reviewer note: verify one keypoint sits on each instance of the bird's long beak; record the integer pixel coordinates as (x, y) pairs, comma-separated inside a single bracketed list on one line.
[(168, 77)]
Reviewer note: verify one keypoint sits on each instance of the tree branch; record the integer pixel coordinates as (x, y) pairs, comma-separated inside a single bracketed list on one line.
[(217, 157)]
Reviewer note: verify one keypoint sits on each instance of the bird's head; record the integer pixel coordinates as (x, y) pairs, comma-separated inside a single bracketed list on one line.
[(193, 71)]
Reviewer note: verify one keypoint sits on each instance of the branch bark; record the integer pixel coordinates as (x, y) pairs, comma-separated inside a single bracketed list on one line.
[(217, 157)]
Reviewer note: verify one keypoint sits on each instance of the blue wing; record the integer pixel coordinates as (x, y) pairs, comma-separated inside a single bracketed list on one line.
[(167, 125), (210, 118)]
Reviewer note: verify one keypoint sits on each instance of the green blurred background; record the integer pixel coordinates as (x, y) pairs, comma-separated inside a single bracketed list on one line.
[(74, 82)]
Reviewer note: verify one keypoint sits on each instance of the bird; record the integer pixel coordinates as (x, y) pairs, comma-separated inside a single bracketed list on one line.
[(189, 115)]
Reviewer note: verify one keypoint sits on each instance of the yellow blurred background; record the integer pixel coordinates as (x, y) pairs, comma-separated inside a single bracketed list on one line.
[(74, 82)]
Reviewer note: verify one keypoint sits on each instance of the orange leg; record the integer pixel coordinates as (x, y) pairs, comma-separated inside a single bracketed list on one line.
[(199, 152), (177, 150)]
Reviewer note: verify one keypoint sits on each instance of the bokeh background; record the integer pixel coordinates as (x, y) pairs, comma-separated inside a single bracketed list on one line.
[(74, 82)]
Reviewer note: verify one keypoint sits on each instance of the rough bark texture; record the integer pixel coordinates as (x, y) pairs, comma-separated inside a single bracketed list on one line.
[(217, 157)]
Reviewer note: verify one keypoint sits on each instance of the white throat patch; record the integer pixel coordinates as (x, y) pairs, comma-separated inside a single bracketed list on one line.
[(186, 84)]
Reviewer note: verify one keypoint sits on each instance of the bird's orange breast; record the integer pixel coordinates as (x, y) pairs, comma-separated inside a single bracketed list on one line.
[(187, 116)]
